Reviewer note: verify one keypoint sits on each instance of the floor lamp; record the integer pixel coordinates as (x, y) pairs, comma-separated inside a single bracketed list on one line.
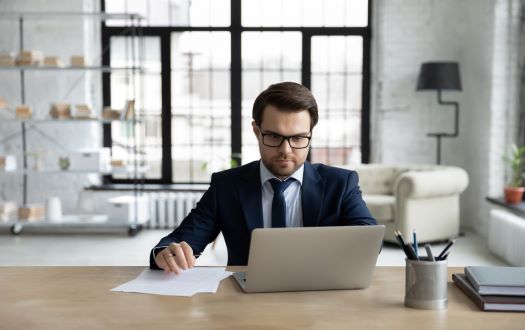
[(441, 76)]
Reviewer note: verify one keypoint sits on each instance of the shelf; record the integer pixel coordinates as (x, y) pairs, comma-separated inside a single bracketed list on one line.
[(69, 219), (61, 121), (69, 68), (139, 170), (96, 15), (500, 201)]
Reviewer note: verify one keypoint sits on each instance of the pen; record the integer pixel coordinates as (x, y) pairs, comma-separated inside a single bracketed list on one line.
[(440, 256), (415, 243), (409, 251), (401, 243), (429, 252), (445, 256), (412, 252)]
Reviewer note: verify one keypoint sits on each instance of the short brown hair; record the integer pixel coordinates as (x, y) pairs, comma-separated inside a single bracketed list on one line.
[(286, 96)]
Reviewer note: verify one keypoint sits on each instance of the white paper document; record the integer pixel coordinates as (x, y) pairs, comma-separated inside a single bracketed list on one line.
[(188, 283)]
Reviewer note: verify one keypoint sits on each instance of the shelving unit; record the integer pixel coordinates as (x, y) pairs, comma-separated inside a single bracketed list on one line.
[(90, 221)]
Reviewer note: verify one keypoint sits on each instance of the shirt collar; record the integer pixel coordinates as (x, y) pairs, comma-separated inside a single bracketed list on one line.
[(267, 175)]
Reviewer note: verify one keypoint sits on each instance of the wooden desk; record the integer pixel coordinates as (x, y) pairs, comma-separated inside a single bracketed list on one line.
[(79, 297)]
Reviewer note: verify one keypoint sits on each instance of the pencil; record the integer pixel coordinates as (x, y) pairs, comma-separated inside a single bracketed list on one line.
[(440, 256), (409, 251), (429, 252), (415, 243)]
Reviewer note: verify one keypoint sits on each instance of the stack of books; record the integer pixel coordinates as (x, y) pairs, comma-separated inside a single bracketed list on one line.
[(494, 288)]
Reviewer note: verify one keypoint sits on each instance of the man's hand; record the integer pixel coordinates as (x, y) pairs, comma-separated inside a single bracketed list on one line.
[(175, 258)]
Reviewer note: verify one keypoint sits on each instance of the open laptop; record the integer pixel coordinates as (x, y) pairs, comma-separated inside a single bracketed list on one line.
[(311, 258)]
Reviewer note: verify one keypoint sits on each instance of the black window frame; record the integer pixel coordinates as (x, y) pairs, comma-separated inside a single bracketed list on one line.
[(235, 30)]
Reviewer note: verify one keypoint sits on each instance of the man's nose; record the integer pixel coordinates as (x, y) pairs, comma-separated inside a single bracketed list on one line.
[(285, 147)]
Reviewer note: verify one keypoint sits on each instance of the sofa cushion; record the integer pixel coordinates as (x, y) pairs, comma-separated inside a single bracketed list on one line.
[(381, 206)]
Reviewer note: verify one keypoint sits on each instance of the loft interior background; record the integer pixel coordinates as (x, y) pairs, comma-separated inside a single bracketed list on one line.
[(207, 60)]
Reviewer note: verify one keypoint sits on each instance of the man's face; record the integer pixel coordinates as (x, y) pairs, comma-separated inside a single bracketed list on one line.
[(282, 161)]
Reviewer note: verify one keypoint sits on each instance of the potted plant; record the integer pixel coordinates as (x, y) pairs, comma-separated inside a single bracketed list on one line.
[(514, 188)]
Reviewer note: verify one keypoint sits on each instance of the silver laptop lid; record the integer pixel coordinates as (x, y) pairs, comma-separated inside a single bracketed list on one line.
[(312, 258)]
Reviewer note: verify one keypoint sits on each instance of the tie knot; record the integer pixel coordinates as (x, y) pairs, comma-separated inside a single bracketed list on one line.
[(280, 186)]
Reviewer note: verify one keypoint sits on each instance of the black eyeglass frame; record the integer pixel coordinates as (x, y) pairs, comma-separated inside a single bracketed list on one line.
[(286, 138)]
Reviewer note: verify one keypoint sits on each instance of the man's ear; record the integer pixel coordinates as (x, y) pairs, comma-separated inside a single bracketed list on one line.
[(255, 129)]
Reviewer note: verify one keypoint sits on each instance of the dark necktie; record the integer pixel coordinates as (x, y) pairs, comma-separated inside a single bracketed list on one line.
[(278, 202)]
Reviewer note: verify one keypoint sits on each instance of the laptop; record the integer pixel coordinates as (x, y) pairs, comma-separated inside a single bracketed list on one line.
[(311, 258)]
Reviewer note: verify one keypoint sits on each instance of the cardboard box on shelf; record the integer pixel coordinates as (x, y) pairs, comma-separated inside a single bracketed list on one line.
[(31, 212), (82, 111), (77, 60), (111, 114), (53, 61), (3, 103), (29, 58), (8, 211), (117, 163), (60, 110), (24, 111), (7, 60)]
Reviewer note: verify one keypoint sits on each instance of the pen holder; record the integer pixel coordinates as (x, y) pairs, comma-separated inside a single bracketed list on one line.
[(426, 284)]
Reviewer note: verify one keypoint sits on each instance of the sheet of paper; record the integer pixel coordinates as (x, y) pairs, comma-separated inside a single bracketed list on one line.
[(188, 283)]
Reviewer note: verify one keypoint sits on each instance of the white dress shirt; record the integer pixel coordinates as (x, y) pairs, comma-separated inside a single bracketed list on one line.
[(292, 197)]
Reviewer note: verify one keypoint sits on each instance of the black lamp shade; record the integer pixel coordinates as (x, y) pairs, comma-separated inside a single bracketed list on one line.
[(439, 75)]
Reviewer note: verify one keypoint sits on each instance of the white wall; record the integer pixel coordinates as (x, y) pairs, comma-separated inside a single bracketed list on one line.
[(482, 35)]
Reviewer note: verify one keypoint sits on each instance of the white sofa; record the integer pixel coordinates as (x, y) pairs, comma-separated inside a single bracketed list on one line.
[(408, 197)]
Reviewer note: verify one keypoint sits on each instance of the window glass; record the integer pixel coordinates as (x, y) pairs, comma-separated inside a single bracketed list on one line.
[(201, 107)]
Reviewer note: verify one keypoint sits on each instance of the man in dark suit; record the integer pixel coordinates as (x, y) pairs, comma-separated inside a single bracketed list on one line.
[(280, 190)]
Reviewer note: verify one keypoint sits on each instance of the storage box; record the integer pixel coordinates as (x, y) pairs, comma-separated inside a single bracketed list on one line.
[(31, 212), (60, 110), (122, 209), (23, 111), (77, 61), (29, 58), (7, 60), (7, 163), (82, 111), (8, 211), (53, 61), (90, 160)]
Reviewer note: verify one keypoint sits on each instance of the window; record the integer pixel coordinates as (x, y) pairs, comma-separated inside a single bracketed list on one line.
[(207, 60)]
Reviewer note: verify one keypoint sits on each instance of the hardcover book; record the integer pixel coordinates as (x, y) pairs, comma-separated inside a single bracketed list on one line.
[(489, 303), (497, 280)]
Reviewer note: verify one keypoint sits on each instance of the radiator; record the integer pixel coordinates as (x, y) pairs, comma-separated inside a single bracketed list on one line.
[(168, 209)]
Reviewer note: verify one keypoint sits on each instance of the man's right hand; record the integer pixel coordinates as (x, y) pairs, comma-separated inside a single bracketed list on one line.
[(175, 258)]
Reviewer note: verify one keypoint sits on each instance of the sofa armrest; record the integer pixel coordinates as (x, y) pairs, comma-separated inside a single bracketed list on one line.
[(432, 183)]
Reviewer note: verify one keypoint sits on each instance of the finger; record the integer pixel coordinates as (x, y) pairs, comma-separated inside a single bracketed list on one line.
[(180, 258), (172, 265), (188, 253), (159, 260)]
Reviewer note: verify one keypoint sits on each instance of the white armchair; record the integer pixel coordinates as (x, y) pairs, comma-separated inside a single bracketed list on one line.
[(407, 197)]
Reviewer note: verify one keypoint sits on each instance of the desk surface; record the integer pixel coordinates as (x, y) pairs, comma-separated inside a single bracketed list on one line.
[(79, 297)]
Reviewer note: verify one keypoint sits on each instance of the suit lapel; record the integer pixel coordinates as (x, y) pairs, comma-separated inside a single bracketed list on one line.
[(251, 196), (312, 195)]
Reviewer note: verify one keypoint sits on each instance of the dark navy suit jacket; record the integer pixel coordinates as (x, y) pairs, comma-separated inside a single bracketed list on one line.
[(233, 205)]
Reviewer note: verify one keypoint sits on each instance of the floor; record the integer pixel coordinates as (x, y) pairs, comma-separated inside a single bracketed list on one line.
[(120, 250)]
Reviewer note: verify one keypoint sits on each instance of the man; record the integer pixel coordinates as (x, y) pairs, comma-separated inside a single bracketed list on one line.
[(242, 199)]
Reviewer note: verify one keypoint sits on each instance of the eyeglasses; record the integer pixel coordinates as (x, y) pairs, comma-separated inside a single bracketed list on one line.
[(276, 140)]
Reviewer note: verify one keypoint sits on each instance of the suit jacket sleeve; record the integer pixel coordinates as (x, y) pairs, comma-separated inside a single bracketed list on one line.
[(353, 209), (199, 228)]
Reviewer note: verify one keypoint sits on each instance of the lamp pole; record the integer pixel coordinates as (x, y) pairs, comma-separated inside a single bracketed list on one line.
[(441, 135)]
